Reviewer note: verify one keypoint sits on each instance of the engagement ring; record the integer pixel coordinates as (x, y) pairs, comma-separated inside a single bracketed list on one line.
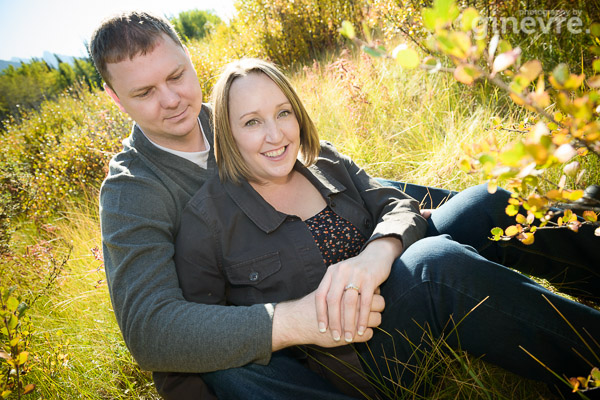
[(353, 287)]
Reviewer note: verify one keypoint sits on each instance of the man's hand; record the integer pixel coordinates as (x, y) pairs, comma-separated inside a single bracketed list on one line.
[(295, 322), (426, 213)]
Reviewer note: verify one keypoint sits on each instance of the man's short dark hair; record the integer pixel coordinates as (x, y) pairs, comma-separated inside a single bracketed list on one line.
[(126, 36)]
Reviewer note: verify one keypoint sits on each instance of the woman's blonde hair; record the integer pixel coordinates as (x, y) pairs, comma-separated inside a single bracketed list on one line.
[(231, 164)]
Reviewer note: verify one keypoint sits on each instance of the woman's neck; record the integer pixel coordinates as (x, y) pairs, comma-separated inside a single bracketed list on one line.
[(293, 196)]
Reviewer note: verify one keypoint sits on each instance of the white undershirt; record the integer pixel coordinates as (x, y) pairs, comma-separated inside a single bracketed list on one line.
[(200, 158)]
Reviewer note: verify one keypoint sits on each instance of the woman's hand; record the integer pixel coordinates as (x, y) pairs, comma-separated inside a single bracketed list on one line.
[(344, 296)]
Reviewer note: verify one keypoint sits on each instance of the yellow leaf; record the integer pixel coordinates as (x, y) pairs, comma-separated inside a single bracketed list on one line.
[(347, 30), (554, 194), (513, 230), (22, 358), (574, 195), (465, 165), (492, 187), (575, 383), (590, 216), (29, 388), (527, 238), (531, 69), (520, 218), (518, 100), (466, 74)]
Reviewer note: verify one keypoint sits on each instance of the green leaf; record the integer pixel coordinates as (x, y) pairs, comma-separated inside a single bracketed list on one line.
[(504, 46), (561, 73), (596, 65), (511, 211), (371, 51), (595, 29), (430, 18), (347, 30), (513, 156), (469, 19), (497, 232), (12, 304), (12, 322), (406, 57), (23, 307)]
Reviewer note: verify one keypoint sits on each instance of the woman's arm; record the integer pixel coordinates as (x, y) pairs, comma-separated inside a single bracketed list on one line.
[(398, 224)]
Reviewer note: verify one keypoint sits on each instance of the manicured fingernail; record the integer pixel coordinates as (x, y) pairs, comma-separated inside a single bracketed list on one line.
[(361, 330), (348, 337), (336, 336), (322, 327)]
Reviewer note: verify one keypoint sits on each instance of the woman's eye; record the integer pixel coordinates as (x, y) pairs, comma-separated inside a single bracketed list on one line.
[(284, 113), (252, 122)]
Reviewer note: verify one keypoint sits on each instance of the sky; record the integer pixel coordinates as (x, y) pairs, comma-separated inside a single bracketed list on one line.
[(30, 27)]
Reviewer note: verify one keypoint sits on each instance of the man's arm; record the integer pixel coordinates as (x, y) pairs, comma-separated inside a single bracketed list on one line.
[(163, 331), (294, 323)]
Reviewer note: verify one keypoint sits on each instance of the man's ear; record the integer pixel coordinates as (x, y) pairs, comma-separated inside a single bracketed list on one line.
[(114, 96)]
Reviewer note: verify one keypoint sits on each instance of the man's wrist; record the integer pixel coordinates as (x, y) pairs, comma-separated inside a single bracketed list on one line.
[(285, 325)]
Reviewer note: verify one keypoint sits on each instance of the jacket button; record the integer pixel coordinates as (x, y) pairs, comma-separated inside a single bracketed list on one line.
[(253, 276), (332, 203)]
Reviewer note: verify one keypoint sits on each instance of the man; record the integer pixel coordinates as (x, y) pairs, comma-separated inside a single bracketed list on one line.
[(166, 159)]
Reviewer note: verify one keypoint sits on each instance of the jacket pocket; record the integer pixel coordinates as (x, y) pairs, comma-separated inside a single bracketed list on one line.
[(248, 283), (253, 272)]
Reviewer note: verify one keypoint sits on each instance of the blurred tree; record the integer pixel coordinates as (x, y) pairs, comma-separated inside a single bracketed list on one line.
[(195, 24)]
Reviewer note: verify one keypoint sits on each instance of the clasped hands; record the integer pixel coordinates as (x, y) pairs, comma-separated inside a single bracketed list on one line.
[(331, 312), (348, 300)]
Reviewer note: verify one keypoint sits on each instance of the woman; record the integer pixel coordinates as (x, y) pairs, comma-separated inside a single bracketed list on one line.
[(274, 229)]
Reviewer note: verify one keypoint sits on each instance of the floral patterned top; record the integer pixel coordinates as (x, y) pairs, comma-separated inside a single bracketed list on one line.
[(336, 238)]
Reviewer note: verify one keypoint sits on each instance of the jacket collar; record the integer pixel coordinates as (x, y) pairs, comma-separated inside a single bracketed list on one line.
[(139, 142), (261, 213)]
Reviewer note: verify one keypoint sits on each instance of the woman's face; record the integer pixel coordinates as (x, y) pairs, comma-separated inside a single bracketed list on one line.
[(264, 127)]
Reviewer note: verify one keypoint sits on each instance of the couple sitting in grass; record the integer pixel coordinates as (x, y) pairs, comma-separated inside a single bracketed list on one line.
[(274, 267)]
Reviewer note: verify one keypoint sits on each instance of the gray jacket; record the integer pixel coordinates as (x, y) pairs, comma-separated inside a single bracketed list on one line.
[(141, 202)]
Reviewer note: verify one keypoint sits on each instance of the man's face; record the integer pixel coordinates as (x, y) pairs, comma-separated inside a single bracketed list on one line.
[(161, 92)]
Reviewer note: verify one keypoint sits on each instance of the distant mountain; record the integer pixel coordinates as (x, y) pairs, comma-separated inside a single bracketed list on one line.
[(5, 64), (48, 57)]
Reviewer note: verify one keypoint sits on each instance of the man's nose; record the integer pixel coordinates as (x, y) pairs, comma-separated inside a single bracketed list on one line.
[(169, 98)]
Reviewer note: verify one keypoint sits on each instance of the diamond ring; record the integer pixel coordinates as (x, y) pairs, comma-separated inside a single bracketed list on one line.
[(353, 287)]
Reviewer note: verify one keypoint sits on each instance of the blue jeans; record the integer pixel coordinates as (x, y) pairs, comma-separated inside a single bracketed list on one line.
[(569, 260), (440, 279)]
